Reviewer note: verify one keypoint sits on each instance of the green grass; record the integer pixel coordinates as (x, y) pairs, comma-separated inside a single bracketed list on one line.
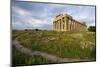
[(62, 44), (20, 59)]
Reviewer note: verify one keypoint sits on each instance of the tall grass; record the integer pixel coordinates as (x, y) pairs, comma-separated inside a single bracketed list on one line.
[(20, 59), (62, 44)]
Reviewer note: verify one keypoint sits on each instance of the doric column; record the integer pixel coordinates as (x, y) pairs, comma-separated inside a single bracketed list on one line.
[(53, 25), (78, 27), (61, 25), (81, 27), (56, 26), (67, 23), (71, 24), (64, 24), (74, 25)]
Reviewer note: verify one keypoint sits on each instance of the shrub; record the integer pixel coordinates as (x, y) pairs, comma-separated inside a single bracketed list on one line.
[(92, 29)]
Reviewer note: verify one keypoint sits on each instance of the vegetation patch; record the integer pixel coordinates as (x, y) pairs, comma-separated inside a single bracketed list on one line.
[(20, 59), (63, 44)]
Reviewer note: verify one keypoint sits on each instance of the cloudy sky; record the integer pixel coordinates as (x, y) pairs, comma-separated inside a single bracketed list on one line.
[(30, 15)]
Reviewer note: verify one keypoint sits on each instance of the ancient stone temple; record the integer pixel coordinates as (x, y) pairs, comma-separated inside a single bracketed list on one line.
[(65, 22)]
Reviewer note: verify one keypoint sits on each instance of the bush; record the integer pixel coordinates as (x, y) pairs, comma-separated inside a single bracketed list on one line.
[(37, 29), (92, 29)]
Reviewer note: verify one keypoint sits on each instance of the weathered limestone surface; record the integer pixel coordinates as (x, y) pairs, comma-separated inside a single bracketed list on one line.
[(65, 22)]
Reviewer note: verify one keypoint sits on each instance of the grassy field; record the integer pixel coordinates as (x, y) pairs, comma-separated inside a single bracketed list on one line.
[(79, 45), (23, 59)]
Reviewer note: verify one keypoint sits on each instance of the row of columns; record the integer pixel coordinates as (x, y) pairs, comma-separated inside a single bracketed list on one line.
[(67, 24)]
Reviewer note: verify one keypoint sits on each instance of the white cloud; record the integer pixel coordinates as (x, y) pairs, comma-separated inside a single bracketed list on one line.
[(29, 21), (25, 19), (85, 17), (21, 11), (43, 17), (16, 25), (38, 23)]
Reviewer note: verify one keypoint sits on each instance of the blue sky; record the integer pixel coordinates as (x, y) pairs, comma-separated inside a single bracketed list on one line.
[(30, 15)]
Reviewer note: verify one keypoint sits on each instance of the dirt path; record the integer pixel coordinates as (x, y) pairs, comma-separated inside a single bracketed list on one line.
[(47, 56)]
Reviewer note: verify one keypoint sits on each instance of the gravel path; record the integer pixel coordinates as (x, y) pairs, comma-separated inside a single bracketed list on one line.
[(47, 56)]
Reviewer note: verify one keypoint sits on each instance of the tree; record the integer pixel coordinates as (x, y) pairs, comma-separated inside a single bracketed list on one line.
[(92, 29), (37, 29)]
